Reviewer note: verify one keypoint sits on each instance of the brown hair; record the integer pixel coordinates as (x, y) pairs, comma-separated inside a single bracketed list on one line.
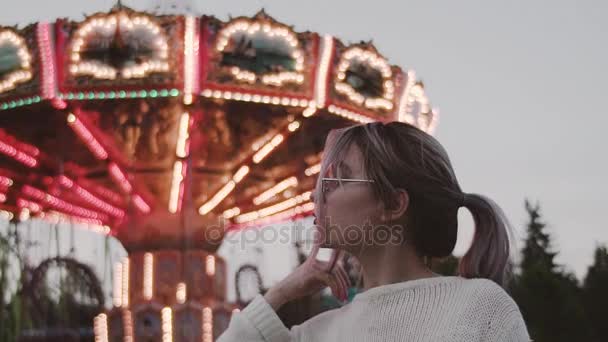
[(399, 155)]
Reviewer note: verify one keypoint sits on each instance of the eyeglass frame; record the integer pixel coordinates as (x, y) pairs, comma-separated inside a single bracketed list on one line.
[(353, 180)]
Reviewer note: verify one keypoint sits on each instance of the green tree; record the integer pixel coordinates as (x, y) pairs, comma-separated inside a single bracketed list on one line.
[(595, 294), (549, 297)]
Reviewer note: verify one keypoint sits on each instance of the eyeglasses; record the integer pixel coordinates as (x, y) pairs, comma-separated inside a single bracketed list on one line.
[(330, 184)]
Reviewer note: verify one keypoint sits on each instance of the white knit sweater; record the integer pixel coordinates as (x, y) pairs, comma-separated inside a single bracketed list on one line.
[(430, 309)]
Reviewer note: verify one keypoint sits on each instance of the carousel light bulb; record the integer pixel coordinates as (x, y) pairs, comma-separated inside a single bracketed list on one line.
[(207, 324), (125, 283), (217, 198), (180, 294), (293, 126), (183, 135), (278, 188), (210, 265), (100, 328), (230, 213), (167, 324), (148, 275), (241, 173), (313, 170), (175, 186)]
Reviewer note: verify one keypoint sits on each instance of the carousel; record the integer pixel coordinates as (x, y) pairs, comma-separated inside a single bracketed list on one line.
[(168, 132)]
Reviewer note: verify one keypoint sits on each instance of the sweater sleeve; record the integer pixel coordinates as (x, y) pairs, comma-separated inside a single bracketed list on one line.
[(258, 322)]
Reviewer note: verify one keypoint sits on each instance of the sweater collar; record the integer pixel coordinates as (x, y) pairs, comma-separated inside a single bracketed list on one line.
[(406, 285)]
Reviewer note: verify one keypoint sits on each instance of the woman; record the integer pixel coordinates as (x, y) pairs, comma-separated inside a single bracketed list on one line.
[(387, 194)]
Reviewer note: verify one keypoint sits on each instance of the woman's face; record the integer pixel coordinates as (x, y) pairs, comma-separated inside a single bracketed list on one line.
[(345, 213)]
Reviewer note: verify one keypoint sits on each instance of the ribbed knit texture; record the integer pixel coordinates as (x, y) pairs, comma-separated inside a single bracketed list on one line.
[(432, 309)]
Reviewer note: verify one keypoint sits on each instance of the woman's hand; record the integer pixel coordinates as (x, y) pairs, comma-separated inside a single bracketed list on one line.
[(311, 277)]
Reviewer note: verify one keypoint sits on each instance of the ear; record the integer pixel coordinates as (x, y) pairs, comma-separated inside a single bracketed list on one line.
[(402, 202)]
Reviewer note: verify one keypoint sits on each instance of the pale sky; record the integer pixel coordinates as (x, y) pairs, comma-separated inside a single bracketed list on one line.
[(520, 86)]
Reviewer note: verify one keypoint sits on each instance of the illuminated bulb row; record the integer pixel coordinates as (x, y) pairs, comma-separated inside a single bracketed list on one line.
[(100, 328), (25, 204), (283, 77), (117, 286), (372, 103), (327, 47), (180, 294), (190, 53), (278, 188), (12, 79), (243, 75), (313, 170), (83, 132), (224, 191), (95, 69), (24, 214), (348, 114), (210, 265), (310, 111), (128, 326), (269, 147), (141, 204), (141, 70), (93, 225), (167, 324), (403, 101), (232, 212), (252, 28), (62, 205), (207, 324), (280, 217), (375, 61), (178, 177), (183, 135), (378, 103), (125, 283), (90, 198), (275, 100), (273, 209), (19, 156), (148, 275), (7, 215), (6, 182), (119, 177), (293, 126), (108, 24), (48, 62), (369, 57)]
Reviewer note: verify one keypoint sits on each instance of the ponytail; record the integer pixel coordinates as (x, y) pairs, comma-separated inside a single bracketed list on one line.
[(488, 257)]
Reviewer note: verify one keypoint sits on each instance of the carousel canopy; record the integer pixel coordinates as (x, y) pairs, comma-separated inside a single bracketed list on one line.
[(138, 124)]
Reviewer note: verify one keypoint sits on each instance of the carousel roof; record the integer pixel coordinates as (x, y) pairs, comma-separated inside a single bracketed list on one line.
[(127, 119)]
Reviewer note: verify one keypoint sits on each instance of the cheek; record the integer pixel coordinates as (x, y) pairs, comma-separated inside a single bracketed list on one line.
[(351, 208)]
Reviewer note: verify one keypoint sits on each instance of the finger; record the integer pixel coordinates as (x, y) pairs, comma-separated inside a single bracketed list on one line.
[(339, 273), (335, 256), (345, 281)]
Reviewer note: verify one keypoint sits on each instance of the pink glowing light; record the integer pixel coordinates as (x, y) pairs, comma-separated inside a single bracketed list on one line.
[(62, 205), (87, 137), (48, 74), (23, 158), (90, 198), (120, 178), (141, 204)]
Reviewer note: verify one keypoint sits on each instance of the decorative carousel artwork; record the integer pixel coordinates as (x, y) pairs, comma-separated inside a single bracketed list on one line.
[(366, 79), (15, 60), (129, 46), (261, 51)]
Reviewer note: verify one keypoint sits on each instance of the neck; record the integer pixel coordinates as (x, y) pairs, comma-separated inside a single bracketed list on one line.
[(391, 264)]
